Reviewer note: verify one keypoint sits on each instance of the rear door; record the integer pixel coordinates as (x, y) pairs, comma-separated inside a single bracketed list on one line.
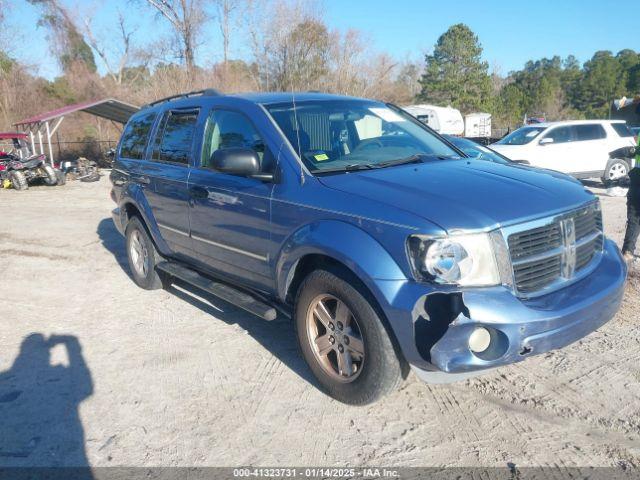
[(167, 174), (591, 149)]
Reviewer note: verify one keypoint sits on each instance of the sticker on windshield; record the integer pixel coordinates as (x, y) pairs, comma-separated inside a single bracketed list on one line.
[(386, 114), (321, 157)]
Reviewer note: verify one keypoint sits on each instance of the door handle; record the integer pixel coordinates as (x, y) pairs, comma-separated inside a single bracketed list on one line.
[(199, 193)]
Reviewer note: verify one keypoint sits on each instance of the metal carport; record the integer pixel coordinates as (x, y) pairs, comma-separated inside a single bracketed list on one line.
[(40, 126)]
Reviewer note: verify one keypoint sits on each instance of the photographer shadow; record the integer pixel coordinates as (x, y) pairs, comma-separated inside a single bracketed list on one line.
[(39, 419)]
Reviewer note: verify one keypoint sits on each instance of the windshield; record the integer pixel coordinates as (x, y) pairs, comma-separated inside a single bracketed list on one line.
[(521, 136), (477, 151), (350, 134)]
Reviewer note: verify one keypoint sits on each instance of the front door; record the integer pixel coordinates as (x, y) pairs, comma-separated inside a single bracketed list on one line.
[(556, 150), (229, 214), (167, 172)]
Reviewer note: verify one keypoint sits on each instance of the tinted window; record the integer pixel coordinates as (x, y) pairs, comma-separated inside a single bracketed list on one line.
[(622, 129), (521, 136), (561, 135), (589, 132), (227, 129), (135, 136), (175, 137)]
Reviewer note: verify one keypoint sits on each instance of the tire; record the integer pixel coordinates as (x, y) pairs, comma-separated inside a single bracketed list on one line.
[(18, 180), (372, 369), (142, 255), (61, 178), (50, 177), (616, 170)]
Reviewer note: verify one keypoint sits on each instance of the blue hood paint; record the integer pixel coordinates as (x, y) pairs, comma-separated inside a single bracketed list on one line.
[(466, 194)]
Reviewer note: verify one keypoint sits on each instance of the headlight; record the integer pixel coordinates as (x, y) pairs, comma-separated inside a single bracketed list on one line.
[(474, 260)]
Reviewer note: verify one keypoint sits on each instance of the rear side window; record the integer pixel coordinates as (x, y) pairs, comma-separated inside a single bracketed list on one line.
[(135, 137), (622, 129), (590, 132), (174, 139)]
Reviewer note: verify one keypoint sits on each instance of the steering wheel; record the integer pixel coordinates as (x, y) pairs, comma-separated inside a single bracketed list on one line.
[(368, 144)]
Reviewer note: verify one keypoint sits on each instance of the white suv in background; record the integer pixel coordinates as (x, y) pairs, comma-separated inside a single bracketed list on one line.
[(579, 148)]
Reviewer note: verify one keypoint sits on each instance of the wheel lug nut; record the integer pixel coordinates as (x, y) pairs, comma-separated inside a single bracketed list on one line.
[(346, 340), (331, 326), (339, 325), (340, 348), (332, 340)]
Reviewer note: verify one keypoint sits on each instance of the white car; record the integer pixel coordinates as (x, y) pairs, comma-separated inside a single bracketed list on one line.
[(579, 148)]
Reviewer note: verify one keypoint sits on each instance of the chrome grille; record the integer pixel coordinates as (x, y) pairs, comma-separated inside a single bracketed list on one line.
[(556, 251)]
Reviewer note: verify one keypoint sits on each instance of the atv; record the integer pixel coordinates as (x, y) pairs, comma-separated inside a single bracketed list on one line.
[(18, 169)]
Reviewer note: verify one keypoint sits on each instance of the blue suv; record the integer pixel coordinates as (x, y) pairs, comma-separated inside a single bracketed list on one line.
[(389, 248)]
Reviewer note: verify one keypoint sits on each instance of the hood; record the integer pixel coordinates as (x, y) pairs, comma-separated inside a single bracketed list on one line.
[(466, 194)]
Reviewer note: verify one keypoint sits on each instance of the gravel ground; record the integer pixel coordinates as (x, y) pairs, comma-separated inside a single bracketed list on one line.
[(171, 378)]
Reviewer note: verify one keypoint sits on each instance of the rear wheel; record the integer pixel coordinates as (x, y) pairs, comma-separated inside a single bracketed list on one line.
[(61, 178), (343, 340), (616, 170), (50, 177), (142, 256), (18, 180)]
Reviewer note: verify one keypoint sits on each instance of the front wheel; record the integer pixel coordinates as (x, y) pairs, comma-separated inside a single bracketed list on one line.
[(344, 341), (616, 170), (142, 256)]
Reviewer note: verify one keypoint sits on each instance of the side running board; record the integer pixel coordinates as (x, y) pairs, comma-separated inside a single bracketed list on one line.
[(221, 290)]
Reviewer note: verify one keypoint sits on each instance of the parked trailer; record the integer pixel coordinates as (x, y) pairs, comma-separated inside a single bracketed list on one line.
[(477, 125), (444, 120)]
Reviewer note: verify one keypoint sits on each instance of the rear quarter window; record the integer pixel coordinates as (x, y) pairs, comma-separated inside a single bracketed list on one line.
[(136, 136), (622, 130)]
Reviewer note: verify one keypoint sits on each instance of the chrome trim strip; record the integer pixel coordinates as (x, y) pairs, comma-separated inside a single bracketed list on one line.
[(231, 249), (174, 230), (589, 238), (556, 252)]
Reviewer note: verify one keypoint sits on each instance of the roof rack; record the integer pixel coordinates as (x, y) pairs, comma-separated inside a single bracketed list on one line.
[(207, 92)]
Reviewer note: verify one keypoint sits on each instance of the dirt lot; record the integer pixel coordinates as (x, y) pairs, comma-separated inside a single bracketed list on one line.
[(170, 378)]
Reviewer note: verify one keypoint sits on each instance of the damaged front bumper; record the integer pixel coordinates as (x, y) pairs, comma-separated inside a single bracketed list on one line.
[(442, 322)]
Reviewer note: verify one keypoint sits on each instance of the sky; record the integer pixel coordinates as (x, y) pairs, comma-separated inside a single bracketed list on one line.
[(510, 32)]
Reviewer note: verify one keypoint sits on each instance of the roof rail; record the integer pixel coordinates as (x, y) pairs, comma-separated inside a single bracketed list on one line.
[(207, 92)]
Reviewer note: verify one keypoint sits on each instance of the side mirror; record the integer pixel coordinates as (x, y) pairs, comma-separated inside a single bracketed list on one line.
[(546, 141), (242, 162)]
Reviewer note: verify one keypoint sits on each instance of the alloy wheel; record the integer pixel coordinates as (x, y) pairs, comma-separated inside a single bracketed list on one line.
[(617, 171), (139, 254), (335, 338)]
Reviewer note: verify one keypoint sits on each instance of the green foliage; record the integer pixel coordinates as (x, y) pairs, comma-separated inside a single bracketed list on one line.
[(604, 79), (6, 63), (455, 73), (554, 87), (60, 89)]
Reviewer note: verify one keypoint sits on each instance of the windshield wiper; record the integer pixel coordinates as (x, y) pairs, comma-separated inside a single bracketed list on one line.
[(399, 161), (353, 167)]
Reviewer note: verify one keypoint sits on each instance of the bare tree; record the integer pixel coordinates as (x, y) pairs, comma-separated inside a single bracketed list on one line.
[(187, 17), (116, 70), (226, 10)]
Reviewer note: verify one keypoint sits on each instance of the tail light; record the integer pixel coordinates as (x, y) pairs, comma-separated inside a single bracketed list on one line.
[(2, 168)]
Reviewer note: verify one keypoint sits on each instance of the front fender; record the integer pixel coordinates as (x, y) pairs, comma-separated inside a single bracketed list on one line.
[(133, 194), (344, 242)]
